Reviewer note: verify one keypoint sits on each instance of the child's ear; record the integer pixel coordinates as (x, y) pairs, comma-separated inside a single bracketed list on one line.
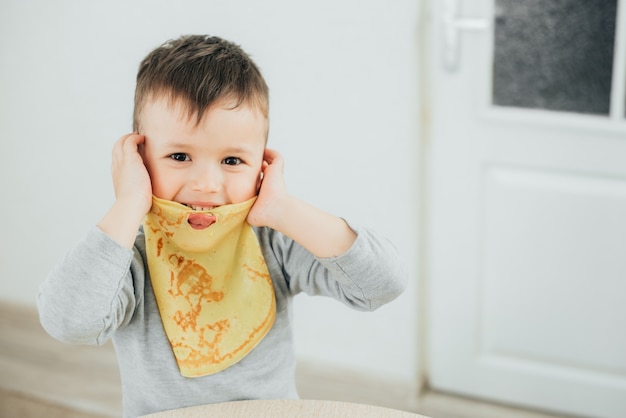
[(264, 165), (141, 146), (259, 181)]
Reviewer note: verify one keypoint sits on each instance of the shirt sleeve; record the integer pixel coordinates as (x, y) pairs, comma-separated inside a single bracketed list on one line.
[(367, 276), (92, 291)]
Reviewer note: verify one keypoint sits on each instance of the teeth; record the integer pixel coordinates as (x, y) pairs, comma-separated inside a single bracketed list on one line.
[(200, 208)]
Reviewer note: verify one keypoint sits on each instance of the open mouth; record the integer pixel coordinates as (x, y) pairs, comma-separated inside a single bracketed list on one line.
[(200, 220)]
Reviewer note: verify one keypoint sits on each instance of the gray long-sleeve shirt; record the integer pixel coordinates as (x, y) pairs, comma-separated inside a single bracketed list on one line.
[(102, 291)]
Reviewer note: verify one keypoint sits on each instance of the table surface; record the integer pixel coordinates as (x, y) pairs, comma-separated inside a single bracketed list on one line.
[(283, 409)]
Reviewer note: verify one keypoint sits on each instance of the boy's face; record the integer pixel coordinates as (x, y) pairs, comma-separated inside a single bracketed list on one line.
[(213, 163)]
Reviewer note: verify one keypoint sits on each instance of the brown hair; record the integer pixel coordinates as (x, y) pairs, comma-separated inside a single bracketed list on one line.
[(201, 70)]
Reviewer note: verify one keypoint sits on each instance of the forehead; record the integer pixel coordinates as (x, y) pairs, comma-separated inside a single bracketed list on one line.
[(163, 119)]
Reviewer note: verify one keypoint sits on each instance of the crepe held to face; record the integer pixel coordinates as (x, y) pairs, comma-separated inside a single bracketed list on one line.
[(212, 286)]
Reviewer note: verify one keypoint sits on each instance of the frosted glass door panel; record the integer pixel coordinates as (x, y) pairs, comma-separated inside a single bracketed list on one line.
[(554, 55)]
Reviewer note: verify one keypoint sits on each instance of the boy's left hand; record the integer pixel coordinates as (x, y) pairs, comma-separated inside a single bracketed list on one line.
[(266, 211)]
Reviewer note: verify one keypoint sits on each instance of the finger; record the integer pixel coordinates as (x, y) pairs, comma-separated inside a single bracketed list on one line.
[(270, 155), (132, 142), (121, 143), (117, 151), (274, 160), (125, 147)]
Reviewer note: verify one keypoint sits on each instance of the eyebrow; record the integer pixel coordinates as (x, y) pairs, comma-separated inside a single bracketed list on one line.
[(178, 145), (238, 150), (230, 150)]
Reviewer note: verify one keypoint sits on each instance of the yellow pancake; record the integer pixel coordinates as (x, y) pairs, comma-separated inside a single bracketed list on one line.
[(212, 286)]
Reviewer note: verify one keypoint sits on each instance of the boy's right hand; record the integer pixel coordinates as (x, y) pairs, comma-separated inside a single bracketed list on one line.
[(131, 181), (133, 191)]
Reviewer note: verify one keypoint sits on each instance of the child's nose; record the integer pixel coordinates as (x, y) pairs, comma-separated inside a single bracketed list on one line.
[(206, 179)]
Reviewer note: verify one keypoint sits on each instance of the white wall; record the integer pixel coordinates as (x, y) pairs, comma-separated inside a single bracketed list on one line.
[(344, 106)]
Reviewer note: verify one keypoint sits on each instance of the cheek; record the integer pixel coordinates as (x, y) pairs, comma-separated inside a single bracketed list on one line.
[(151, 167), (244, 188), (164, 184), (158, 188)]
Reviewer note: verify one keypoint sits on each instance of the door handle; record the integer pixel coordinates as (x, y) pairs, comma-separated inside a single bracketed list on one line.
[(452, 24)]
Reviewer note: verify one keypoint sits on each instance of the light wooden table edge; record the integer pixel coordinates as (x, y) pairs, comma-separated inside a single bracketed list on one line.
[(285, 408)]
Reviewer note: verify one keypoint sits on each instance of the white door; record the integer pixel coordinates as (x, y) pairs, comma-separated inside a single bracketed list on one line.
[(527, 203)]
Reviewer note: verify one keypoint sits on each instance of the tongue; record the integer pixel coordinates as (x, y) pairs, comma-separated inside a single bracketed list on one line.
[(201, 220)]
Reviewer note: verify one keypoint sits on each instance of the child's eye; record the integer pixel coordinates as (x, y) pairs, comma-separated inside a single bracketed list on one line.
[(180, 156), (231, 161)]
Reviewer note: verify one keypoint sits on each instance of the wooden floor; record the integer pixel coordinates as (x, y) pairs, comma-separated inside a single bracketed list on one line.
[(41, 377)]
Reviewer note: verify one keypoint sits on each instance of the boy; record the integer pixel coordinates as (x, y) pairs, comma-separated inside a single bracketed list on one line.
[(192, 270)]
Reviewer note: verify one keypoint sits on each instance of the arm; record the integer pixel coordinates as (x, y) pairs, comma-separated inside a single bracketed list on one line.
[(91, 291), (320, 254), (370, 274), (133, 191), (321, 233)]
